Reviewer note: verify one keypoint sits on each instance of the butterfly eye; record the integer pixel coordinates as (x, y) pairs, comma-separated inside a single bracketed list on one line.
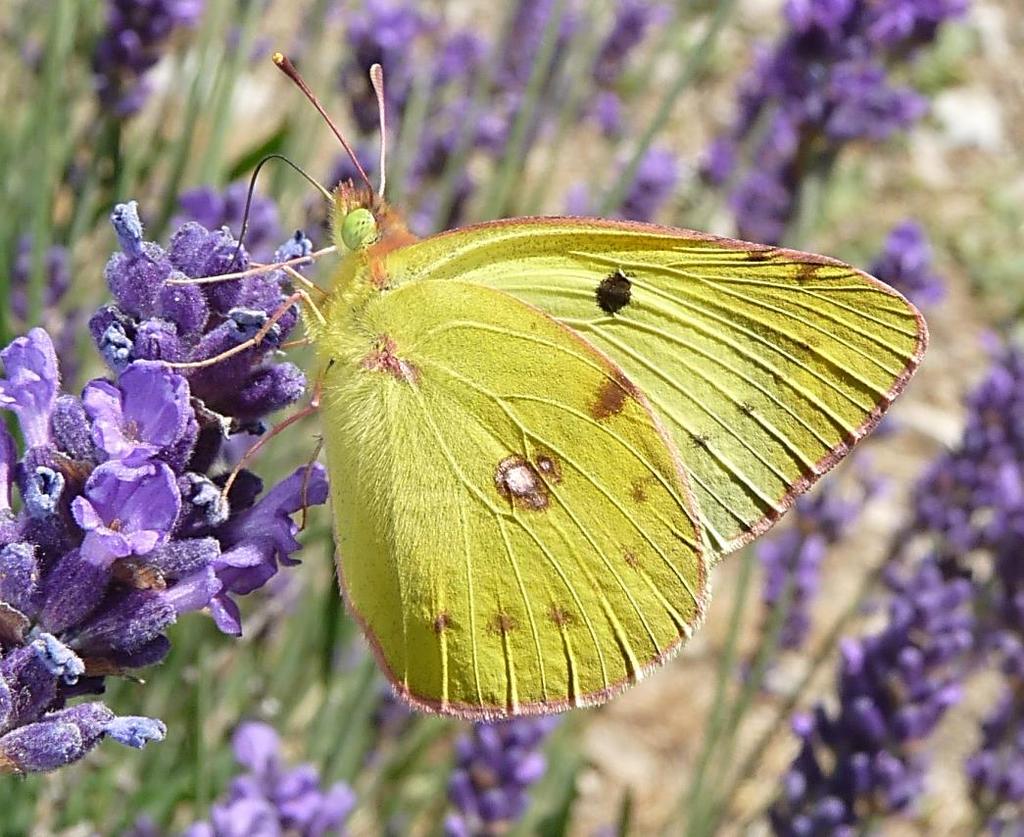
[(359, 229)]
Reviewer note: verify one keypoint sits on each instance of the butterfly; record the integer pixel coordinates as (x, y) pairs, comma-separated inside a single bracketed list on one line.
[(543, 433)]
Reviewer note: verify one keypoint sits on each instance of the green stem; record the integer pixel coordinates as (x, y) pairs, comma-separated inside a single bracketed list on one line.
[(691, 802), (810, 200), (515, 150), (695, 62), (576, 89), (715, 808)]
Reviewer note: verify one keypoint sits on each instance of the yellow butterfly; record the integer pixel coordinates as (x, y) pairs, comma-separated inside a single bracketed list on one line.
[(542, 433)]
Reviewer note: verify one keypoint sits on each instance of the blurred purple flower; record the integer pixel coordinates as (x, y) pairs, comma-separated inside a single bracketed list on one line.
[(56, 270), (135, 37), (653, 184), (632, 20), (271, 798), (995, 772), (226, 208), (970, 499), (906, 263), (970, 506), (496, 763), (826, 80), (382, 32), (864, 759), (656, 179), (62, 321)]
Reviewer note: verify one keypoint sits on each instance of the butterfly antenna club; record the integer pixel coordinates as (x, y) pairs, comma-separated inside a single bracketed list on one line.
[(284, 64), (377, 80)]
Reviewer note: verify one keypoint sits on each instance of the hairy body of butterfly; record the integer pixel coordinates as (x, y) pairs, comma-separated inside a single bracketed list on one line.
[(542, 432)]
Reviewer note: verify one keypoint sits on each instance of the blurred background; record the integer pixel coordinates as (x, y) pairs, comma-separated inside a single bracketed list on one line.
[(861, 668)]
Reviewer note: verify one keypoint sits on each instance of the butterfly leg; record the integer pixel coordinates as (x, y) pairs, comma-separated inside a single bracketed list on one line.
[(309, 409), (259, 336), (254, 270)]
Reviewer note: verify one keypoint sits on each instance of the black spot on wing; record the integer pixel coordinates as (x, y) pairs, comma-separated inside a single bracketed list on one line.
[(614, 292)]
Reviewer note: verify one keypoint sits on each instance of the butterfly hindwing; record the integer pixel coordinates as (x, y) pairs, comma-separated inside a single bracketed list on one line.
[(514, 527), (764, 364)]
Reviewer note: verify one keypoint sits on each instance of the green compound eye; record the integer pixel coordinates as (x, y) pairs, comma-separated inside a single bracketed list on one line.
[(359, 229)]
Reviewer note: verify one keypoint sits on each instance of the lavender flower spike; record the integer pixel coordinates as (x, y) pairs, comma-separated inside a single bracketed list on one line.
[(121, 526), (29, 388), (272, 799), (893, 688), (906, 263), (496, 763)]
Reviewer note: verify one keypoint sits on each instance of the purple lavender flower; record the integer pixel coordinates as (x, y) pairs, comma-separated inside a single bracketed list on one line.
[(496, 763), (970, 506), (970, 499), (135, 38), (146, 414), (655, 181), (29, 386), (155, 320), (123, 524), (126, 510), (906, 263), (632, 20), (273, 799), (826, 81), (215, 209), (260, 539), (893, 689)]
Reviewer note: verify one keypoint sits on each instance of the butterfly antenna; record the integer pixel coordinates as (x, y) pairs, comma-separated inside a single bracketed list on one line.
[(252, 191), (377, 80), (285, 65)]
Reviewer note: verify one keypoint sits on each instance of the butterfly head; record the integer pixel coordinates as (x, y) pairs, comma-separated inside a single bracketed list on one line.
[(355, 223), (362, 219)]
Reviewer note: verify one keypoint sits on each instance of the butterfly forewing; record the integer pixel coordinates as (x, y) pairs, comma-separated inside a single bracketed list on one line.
[(764, 364), (514, 527)]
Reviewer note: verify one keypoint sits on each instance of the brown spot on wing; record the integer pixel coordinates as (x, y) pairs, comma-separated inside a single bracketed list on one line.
[(549, 467), (503, 623), (807, 272), (560, 616), (614, 292), (632, 560), (638, 491), (441, 623), (384, 358), (611, 397)]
